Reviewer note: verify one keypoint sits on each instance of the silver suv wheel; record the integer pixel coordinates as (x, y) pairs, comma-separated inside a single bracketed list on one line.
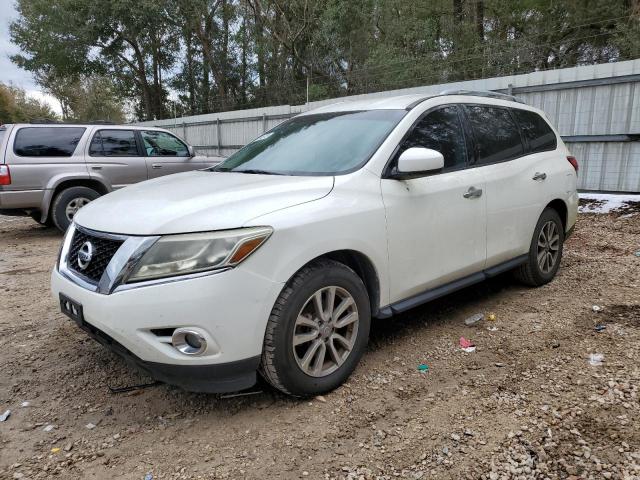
[(73, 206)]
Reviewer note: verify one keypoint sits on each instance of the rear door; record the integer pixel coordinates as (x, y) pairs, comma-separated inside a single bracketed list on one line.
[(115, 157), (514, 199), (166, 154), (436, 229)]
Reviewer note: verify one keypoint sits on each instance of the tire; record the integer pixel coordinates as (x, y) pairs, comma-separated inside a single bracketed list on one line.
[(282, 364), (65, 199), (532, 272)]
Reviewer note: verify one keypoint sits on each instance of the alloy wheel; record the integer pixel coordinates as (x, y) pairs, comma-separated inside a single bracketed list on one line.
[(325, 331), (74, 205), (548, 247)]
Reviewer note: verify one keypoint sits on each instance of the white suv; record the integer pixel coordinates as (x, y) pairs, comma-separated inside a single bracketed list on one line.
[(276, 260)]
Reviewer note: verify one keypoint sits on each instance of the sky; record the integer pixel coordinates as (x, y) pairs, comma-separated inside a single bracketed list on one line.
[(9, 72)]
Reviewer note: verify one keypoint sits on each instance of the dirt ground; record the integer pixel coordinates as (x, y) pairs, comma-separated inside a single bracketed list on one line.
[(526, 404)]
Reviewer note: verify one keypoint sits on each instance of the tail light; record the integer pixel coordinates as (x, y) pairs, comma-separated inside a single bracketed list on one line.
[(5, 175), (573, 162)]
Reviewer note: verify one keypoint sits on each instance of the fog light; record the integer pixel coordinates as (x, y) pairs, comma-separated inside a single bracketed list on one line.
[(188, 341)]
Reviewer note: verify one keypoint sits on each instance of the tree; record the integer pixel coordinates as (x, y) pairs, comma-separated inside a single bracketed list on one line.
[(16, 106), (214, 55)]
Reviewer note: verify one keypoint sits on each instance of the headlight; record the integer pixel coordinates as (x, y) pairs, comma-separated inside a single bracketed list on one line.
[(198, 252)]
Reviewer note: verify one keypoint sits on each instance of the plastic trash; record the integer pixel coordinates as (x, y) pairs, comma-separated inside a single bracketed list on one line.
[(90, 426), (55, 450), (48, 428), (596, 308), (25, 404), (596, 359), (492, 329), (148, 476), (467, 345), (473, 319), (637, 254), (491, 317), (5, 415), (600, 327), (423, 367)]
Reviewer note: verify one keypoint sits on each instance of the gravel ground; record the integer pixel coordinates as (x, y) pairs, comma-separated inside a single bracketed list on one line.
[(526, 404)]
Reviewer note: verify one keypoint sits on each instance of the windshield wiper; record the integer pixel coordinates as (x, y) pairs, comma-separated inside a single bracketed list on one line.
[(257, 171)]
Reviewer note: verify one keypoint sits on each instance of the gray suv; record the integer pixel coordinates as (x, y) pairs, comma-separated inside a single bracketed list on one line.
[(49, 171)]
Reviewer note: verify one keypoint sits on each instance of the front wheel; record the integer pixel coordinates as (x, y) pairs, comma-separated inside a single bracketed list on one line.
[(68, 202), (545, 251), (317, 331)]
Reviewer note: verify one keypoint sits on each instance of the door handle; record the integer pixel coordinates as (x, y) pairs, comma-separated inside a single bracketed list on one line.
[(473, 192), (156, 166), (96, 167), (540, 176)]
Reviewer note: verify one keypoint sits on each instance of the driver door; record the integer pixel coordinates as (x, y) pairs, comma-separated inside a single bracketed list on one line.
[(166, 154), (436, 233)]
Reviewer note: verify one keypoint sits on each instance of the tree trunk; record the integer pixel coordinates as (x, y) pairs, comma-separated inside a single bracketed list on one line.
[(457, 11), (480, 19)]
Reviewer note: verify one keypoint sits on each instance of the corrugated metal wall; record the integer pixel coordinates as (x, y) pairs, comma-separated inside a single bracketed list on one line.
[(596, 109)]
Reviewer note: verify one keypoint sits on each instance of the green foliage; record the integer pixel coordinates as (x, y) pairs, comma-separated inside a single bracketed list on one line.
[(226, 54), (17, 107)]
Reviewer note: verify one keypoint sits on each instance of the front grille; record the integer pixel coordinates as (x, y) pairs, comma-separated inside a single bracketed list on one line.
[(103, 250)]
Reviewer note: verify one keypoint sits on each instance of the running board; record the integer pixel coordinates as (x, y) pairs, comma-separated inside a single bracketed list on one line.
[(447, 288)]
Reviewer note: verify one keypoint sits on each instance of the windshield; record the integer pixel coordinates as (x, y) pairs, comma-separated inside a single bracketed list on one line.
[(319, 144)]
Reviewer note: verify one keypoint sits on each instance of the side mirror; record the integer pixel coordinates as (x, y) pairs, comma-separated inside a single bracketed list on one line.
[(192, 151), (417, 161)]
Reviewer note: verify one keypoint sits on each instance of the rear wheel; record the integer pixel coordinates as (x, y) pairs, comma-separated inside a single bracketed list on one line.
[(317, 331), (545, 251), (68, 202)]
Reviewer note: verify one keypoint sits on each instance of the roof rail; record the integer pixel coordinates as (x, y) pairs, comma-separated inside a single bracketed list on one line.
[(48, 121), (482, 93)]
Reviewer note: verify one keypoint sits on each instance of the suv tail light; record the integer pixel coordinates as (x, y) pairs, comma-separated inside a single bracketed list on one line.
[(573, 162), (5, 175)]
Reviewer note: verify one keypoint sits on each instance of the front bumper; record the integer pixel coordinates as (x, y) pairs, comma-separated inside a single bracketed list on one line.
[(230, 308)]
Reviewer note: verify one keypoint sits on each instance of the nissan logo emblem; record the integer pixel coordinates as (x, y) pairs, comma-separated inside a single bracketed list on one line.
[(85, 254)]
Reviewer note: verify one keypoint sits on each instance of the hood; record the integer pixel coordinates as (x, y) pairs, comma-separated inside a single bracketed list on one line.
[(198, 201)]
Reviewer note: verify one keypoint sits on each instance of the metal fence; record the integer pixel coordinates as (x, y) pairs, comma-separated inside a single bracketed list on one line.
[(596, 109)]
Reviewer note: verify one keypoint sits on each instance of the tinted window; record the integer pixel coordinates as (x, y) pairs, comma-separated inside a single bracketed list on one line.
[(440, 130), (114, 143), (47, 141), (496, 134), (162, 144), (537, 132), (317, 144)]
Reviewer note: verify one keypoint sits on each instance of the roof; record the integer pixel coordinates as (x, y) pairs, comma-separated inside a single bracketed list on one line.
[(407, 102)]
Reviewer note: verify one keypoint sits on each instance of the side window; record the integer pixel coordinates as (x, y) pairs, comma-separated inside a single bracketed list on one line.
[(496, 134), (162, 144), (440, 130), (537, 132), (47, 141), (114, 143)]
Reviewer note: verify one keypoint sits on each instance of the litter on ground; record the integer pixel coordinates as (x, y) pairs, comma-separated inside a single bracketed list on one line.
[(467, 345), (473, 319), (596, 359)]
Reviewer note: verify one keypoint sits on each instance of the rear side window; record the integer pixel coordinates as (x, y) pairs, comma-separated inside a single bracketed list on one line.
[(537, 132), (47, 141), (496, 134), (163, 144), (440, 130), (114, 143)]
